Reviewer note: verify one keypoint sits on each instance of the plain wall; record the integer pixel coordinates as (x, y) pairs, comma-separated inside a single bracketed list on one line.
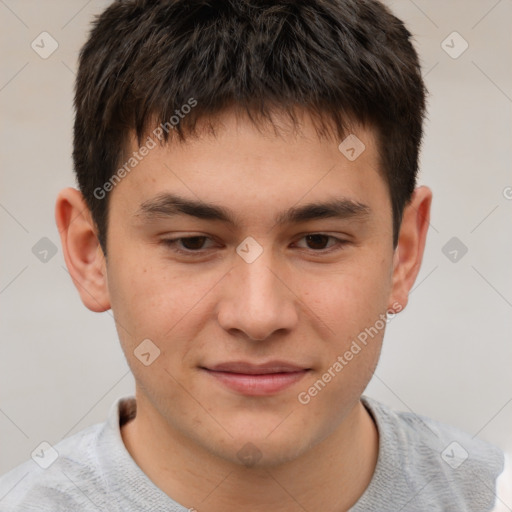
[(447, 356)]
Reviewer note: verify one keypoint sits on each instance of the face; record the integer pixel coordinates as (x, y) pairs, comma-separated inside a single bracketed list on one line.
[(254, 302)]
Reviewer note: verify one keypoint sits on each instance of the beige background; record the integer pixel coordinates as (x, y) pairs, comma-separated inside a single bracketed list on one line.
[(448, 355)]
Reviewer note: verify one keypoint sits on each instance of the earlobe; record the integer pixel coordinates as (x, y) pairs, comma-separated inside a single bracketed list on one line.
[(411, 244), (82, 252)]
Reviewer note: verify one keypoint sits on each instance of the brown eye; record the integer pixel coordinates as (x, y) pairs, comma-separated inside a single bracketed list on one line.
[(317, 241), (187, 245), (194, 243)]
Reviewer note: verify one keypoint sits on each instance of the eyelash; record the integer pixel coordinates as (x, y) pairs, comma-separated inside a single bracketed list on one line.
[(172, 243)]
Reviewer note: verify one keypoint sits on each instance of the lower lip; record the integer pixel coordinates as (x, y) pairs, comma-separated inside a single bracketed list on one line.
[(257, 385)]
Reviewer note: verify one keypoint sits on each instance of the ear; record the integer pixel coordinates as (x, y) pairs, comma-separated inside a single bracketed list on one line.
[(411, 244), (82, 251)]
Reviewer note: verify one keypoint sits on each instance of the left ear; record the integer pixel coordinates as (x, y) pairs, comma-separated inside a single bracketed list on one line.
[(411, 244)]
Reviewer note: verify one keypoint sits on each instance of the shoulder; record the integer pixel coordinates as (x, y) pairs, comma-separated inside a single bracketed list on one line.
[(439, 465), (58, 478)]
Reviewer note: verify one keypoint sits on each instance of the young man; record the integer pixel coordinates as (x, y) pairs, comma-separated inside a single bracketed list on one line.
[(248, 210)]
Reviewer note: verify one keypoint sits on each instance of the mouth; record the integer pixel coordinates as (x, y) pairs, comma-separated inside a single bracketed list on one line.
[(256, 379)]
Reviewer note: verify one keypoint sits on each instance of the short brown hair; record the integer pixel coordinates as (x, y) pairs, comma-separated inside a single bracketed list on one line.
[(337, 59)]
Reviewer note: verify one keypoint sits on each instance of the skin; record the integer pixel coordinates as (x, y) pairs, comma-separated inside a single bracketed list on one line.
[(293, 303)]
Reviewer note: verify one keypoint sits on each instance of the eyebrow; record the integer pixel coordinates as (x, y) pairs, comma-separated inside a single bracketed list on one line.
[(170, 205)]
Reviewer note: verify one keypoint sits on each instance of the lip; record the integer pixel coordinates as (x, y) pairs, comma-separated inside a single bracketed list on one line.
[(257, 379)]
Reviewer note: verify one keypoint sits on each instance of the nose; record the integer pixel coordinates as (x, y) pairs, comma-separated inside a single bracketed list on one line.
[(257, 300)]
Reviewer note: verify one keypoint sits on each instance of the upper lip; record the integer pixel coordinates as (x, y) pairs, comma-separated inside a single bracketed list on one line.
[(257, 369)]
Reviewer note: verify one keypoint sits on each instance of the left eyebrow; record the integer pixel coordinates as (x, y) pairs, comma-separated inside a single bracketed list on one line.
[(169, 205)]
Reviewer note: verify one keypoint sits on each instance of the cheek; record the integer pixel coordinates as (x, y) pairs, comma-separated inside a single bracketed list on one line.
[(352, 303), (156, 299), (351, 297), (141, 297)]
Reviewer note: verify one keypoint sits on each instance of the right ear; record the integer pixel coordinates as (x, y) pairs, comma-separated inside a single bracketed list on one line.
[(81, 248)]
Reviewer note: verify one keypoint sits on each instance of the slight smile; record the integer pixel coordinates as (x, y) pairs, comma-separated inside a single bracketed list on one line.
[(257, 379)]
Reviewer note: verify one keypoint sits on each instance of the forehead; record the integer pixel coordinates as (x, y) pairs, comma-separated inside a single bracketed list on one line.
[(251, 168)]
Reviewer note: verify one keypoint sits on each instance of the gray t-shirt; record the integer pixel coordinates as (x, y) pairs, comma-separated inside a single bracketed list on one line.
[(423, 465)]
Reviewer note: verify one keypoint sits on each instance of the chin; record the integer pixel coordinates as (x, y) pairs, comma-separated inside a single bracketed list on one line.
[(258, 452)]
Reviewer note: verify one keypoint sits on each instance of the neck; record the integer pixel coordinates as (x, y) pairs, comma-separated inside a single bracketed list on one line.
[(341, 466)]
